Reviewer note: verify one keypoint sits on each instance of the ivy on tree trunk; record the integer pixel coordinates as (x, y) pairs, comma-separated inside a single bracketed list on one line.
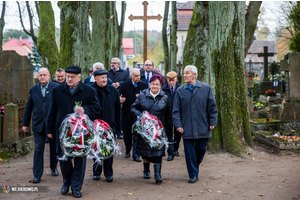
[(75, 39), (46, 41), (101, 32)]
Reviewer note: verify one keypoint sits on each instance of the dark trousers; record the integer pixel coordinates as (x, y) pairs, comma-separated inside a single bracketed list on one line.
[(107, 165), (170, 149), (73, 175), (194, 150), (177, 138), (130, 141), (38, 157), (53, 160)]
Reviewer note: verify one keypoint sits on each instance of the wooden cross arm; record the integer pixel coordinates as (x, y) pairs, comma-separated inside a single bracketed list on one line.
[(131, 17)]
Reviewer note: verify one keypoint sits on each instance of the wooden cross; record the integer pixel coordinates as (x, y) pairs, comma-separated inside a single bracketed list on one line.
[(145, 18), (265, 54)]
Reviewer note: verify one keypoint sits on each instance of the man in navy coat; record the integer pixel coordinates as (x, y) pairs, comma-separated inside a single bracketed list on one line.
[(129, 90), (110, 102), (63, 102), (194, 115), (38, 104)]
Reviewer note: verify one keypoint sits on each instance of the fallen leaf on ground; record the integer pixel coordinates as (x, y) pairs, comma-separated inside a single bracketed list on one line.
[(3, 173), (208, 190), (258, 171), (171, 167), (219, 191), (29, 181), (1, 159), (260, 195), (99, 184), (190, 195), (7, 179), (282, 180), (201, 191), (127, 187), (178, 196), (129, 193), (279, 186), (228, 182), (253, 158)]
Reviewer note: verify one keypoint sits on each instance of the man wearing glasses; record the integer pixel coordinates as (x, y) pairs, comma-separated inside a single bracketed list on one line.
[(148, 71), (116, 74)]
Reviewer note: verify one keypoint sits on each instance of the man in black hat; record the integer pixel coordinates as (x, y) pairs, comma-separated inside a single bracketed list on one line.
[(63, 101), (109, 100)]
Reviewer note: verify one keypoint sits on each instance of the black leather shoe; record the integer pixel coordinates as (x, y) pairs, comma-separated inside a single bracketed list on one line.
[(127, 155), (77, 193), (170, 157), (193, 180), (176, 153), (137, 159), (64, 189), (109, 179), (36, 179), (54, 172), (96, 178)]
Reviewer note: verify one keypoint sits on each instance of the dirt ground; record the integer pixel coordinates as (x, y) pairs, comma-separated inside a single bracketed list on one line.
[(262, 175)]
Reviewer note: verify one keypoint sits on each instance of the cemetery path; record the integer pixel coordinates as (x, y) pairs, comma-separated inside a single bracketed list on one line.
[(261, 175)]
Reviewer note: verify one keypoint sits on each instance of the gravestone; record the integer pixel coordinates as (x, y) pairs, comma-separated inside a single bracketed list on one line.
[(261, 114), (290, 111), (262, 98), (266, 84), (275, 112), (16, 74)]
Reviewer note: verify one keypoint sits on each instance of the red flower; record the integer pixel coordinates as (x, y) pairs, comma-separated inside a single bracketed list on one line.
[(105, 136), (77, 148), (148, 131), (95, 146), (160, 125), (69, 132), (88, 134)]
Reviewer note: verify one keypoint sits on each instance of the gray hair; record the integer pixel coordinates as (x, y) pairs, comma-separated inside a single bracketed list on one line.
[(117, 59), (45, 68), (97, 64), (192, 68), (134, 69), (60, 70)]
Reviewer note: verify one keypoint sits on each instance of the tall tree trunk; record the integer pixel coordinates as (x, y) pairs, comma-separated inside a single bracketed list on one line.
[(46, 41), (174, 47), (197, 43), (75, 39), (227, 39), (250, 24), (113, 29), (165, 37), (101, 32), (121, 29), (2, 22)]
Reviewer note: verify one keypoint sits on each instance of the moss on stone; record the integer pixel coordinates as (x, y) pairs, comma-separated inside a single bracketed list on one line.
[(6, 155)]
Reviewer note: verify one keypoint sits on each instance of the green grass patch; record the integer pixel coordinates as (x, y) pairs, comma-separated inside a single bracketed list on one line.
[(6, 155), (264, 120)]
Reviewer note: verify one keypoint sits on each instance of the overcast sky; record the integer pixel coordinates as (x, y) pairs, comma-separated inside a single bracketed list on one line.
[(135, 8)]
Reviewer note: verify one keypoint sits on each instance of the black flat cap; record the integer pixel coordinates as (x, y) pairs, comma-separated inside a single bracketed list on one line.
[(73, 69), (100, 72)]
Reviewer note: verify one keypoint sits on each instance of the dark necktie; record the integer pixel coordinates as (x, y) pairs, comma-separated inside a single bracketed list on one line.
[(71, 89), (172, 88), (192, 87), (115, 71), (148, 79), (135, 84)]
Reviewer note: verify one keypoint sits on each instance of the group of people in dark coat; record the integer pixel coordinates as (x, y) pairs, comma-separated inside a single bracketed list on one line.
[(189, 111)]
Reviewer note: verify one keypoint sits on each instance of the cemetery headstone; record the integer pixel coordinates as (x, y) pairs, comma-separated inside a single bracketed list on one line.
[(16, 74), (10, 129), (266, 84)]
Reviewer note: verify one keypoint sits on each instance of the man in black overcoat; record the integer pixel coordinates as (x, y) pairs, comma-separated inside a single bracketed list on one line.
[(110, 102), (170, 90), (148, 71), (38, 103), (129, 90), (63, 102)]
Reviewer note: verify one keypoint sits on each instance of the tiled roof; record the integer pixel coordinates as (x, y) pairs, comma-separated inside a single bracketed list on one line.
[(19, 49), (127, 43), (17, 42), (258, 46), (187, 6), (184, 18)]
